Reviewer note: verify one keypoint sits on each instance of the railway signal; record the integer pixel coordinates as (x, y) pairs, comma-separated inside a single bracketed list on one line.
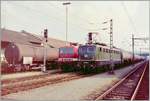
[(45, 51), (46, 34)]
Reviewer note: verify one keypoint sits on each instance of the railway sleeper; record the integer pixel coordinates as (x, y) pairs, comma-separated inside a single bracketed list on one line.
[(120, 92), (115, 98)]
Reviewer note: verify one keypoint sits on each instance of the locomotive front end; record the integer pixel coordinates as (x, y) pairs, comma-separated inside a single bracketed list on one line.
[(87, 52), (68, 58), (68, 54), (87, 55)]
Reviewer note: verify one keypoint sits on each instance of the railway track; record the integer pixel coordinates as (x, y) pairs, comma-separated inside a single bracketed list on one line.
[(126, 88), (13, 80), (36, 81), (26, 83), (142, 92)]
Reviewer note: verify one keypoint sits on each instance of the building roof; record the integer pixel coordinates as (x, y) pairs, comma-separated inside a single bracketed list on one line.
[(24, 37)]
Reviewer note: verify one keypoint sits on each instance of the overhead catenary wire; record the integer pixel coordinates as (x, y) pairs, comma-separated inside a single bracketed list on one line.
[(129, 17), (83, 19)]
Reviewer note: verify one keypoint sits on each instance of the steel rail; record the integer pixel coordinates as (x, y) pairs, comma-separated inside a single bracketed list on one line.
[(138, 85), (118, 83)]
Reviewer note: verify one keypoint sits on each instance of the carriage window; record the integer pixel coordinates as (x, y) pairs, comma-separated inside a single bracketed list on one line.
[(104, 49), (100, 49)]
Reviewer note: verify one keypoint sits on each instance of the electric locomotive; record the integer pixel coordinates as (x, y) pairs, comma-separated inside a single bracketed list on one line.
[(68, 54), (94, 55), (68, 57)]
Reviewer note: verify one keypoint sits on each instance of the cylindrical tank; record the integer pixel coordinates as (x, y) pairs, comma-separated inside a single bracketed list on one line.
[(126, 55), (14, 53)]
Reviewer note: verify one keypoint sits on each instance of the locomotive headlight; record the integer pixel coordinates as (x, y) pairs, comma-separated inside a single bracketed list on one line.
[(85, 55)]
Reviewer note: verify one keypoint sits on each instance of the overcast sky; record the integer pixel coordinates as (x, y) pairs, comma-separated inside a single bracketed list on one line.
[(130, 17)]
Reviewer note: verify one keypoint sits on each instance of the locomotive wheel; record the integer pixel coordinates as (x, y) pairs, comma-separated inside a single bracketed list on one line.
[(66, 67)]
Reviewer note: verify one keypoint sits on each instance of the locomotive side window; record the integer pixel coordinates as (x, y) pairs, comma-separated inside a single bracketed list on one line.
[(114, 51), (100, 49), (107, 50), (103, 49)]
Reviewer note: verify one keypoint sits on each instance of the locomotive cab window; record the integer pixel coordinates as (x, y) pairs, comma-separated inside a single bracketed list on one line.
[(66, 50), (90, 49), (87, 49)]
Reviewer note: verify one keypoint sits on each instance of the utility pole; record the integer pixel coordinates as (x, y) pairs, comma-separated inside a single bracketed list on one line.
[(66, 4), (133, 39), (111, 47)]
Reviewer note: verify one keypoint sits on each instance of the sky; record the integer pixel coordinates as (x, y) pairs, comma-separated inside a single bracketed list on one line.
[(129, 17)]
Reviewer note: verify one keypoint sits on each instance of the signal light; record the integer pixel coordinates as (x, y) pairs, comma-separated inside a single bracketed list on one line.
[(90, 36), (45, 33)]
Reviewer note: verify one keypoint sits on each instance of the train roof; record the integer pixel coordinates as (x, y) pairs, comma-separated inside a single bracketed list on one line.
[(103, 46)]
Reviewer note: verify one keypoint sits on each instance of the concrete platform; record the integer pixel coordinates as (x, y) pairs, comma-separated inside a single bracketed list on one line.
[(71, 90), (24, 74)]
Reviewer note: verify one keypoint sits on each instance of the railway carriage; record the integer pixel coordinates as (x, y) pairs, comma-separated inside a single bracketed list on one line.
[(23, 57)]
